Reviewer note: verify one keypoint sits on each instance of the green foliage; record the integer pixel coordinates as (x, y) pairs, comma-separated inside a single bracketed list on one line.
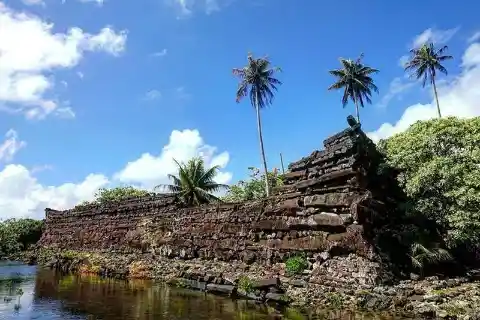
[(439, 170), (104, 195), (194, 184), (422, 256), (334, 300), (355, 79), (17, 234), (245, 284), (296, 264), (254, 187)]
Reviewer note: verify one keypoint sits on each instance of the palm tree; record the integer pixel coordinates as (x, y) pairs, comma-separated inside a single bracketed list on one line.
[(424, 63), (258, 82), (194, 184), (355, 79)]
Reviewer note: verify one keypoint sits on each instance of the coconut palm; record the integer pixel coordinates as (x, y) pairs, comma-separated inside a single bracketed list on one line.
[(355, 79), (194, 184), (424, 63), (258, 82)]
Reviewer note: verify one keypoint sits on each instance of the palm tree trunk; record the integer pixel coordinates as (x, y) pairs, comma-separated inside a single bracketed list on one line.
[(436, 96), (357, 110), (262, 150)]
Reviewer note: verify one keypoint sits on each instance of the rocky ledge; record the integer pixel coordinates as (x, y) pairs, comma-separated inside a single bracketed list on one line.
[(433, 297)]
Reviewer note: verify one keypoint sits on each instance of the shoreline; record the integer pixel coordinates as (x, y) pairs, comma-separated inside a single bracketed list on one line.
[(454, 298)]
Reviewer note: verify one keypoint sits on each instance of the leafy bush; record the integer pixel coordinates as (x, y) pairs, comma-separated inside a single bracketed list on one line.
[(18, 234), (439, 169), (104, 195), (296, 264), (245, 284), (254, 187)]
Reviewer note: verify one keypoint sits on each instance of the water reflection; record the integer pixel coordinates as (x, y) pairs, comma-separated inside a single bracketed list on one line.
[(49, 295)]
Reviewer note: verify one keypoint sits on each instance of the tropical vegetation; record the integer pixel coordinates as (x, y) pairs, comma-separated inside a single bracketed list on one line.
[(18, 234), (355, 79), (438, 161), (194, 184), (258, 82), (424, 64)]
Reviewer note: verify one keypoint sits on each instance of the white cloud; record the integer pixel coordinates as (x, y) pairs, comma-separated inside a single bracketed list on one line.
[(458, 97), (187, 7), (160, 53), (152, 95), (150, 170), (397, 88), (31, 50), (98, 2), (22, 195), (80, 74), (436, 36), (33, 2), (474, 37), (10, 146)]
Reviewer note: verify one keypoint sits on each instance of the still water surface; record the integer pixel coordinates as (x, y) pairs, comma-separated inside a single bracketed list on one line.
[(28, 292)]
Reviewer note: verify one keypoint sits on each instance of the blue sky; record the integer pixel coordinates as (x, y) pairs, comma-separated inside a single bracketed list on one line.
[(112, 95)]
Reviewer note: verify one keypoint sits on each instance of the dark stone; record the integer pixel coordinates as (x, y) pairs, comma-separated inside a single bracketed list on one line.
[(266, 283), (328, 219), (221, 288), (299, 283)]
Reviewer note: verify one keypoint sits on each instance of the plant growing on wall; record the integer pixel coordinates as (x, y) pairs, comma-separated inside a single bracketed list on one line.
[(254, 187), (194, 184)]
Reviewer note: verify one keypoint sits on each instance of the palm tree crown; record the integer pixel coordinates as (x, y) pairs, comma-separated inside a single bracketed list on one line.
[(355, 79), (424, 63), (194, 184), (258, 76)]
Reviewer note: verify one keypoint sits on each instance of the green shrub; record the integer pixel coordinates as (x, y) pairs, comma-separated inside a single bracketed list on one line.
[(296, 264), (18, 234), (104, 195), (245, 284), (254, 187)]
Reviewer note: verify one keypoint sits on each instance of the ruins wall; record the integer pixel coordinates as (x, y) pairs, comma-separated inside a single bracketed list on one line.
[(325, 206)]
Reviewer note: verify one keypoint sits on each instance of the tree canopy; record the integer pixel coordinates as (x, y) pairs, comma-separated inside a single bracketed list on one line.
[(439, 162)]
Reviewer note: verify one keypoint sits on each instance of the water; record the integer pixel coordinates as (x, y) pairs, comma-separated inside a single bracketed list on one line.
[(49, 295)]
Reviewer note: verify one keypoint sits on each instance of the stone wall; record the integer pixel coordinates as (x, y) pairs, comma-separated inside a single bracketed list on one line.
[(327, 207)]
